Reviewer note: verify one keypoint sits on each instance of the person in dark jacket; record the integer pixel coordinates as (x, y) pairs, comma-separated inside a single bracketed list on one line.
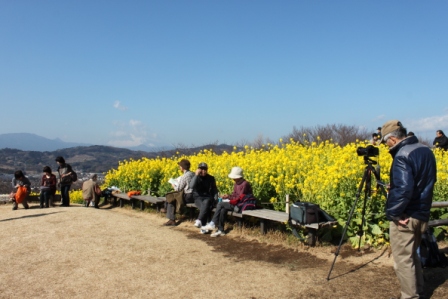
[(65, 180), (412, 178), (205, 194), (441, 141)]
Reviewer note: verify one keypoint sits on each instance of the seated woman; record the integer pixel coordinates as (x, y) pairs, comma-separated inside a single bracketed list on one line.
[(47, 187), (228, 203)]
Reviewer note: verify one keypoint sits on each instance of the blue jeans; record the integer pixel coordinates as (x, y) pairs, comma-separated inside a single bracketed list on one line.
[(64, 195), (45, 198)]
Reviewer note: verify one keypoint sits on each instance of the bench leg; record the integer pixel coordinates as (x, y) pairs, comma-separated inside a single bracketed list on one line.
[(121, 202), (142, 205), (263, 224), (311, 237)]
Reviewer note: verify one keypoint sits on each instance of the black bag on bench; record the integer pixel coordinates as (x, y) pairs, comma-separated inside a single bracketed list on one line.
[(305, 212)]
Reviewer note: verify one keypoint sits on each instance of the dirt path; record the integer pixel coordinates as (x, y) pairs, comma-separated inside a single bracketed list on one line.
[(80, 252)]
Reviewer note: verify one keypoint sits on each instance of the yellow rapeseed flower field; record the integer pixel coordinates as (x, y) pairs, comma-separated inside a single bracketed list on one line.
[(323, 173)]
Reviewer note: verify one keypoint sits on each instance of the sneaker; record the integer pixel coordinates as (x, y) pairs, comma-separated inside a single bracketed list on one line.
[(209, 226), (198, 223), (204, 231), (217, 234)]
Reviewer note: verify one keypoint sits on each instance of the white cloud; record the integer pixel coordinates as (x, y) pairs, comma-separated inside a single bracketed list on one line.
[(132, 133), (117, 105), (432, 123)]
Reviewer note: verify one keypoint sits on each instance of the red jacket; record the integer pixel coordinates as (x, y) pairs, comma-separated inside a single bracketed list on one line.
[(242, 188)]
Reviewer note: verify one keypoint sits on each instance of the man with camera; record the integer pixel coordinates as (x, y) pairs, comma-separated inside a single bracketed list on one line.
[(412, 178)]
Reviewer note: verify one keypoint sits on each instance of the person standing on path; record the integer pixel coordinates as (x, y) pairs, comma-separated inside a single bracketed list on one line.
[(412, 178), (65, 180)]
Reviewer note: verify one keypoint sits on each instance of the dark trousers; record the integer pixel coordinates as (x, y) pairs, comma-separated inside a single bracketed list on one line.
[(204, 204), (44, 198), (171, 207), (219, 218), (65, 195)]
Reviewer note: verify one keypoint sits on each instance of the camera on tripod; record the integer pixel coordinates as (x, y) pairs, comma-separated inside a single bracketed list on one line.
[(369, 151)]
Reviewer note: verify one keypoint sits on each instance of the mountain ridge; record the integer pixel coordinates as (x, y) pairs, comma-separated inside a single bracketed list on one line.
[(93, 159)]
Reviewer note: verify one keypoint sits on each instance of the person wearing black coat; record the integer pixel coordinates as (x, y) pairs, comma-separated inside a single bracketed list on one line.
[(441, 141)]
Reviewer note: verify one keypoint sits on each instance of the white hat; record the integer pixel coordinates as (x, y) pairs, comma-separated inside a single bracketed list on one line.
[(236, 173)]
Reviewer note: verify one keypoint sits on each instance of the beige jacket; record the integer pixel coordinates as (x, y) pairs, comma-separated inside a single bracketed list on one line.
[(88, 190)]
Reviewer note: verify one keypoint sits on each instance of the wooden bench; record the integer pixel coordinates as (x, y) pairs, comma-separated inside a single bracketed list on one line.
[(192, 207), (157, 201), (438, 222), (122, 197), (141, 198)]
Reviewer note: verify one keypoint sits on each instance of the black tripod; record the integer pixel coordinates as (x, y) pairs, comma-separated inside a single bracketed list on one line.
[(366, 182)]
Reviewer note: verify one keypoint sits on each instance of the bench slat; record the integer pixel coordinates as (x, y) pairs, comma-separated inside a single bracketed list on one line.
[(438, 222), (121, 196), (148, 198), (267, 214), (439, 204)]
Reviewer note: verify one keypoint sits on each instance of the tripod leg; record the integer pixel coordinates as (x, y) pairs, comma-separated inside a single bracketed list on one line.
[(358, 194), (367, 191)]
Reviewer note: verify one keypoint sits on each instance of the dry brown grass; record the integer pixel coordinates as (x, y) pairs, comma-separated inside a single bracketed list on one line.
[(80, 252)]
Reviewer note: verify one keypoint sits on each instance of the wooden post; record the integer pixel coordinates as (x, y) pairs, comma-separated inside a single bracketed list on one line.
[(287, 204)]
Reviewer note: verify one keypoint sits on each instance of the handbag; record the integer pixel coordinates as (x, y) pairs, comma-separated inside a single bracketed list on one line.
[(21, 194), (97, 190)]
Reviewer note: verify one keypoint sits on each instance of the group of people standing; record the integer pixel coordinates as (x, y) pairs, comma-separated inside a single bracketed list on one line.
[(49, 184), (199, 187)]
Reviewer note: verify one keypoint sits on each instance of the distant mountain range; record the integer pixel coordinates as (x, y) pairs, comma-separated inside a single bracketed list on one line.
[(31, 153), (33, 142)]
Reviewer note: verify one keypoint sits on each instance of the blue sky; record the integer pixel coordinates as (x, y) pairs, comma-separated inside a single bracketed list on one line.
[(163, 73)]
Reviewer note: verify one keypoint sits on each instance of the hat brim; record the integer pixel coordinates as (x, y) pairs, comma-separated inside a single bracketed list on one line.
[(235, 176)]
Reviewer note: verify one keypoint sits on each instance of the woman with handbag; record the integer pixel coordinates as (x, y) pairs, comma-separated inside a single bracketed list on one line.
[(47, 187), (65, 180)]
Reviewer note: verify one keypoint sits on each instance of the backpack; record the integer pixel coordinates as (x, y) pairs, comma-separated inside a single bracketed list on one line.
[(246, 202), (74, 176), (429, 253)]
